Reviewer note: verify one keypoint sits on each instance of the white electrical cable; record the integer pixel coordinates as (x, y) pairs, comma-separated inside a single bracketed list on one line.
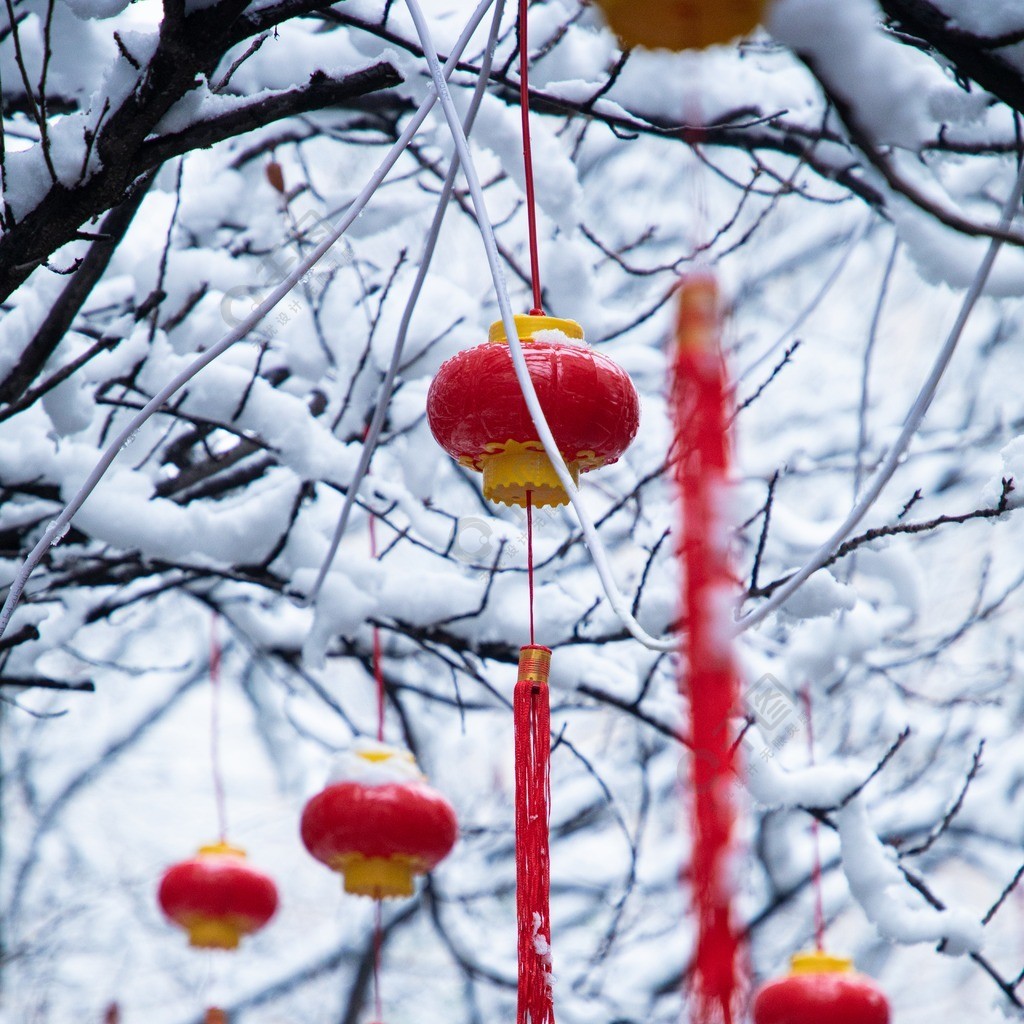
[(616, 599), (56, 530), (387, 386), (910, 425)]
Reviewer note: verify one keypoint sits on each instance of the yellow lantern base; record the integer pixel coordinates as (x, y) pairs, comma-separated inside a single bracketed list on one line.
[(681, 24), (212, 933), (819, 962), (379, 877), (513, 469)]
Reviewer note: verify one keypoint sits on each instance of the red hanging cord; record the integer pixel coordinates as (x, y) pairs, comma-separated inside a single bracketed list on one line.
[(531, 201), (378, 675), (711, 683), (378, 669), (378, 944), (215, 763), (532, 723), (819, 905), (531, 707), (529, 555)]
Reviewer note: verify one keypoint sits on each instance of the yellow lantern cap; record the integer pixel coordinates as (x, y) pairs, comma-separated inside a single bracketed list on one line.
[(221, 849), (527, 326), (819, 962)]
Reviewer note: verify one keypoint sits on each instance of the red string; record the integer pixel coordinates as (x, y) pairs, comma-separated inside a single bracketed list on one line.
[(378, 675), (698, 401), (215, 765), (378, 670), (819, 906), (529, 554), (531, 202), (378, 943), (532, 723)]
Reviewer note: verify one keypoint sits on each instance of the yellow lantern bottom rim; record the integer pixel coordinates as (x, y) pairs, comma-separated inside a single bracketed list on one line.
[(213, 932), (670, 25), (378, 877), (514, 469)]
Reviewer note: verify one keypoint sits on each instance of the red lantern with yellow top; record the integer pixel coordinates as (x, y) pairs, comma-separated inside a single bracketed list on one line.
[(217, 897), (478, 415), (377, 823), (821, 987)]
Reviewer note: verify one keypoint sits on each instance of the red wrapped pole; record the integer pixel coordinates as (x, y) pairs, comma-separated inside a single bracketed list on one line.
[(699, 406), (532, 725)]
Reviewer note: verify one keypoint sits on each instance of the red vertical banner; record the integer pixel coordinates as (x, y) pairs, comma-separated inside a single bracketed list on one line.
[(708, 678)]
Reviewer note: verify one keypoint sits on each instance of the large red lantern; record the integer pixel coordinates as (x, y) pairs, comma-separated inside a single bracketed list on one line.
[(378, 823), (821, 988), (681, 24), (217, 897), (478, 415)]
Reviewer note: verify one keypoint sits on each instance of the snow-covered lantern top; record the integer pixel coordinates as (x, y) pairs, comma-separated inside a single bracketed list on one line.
[(820, 988), (217, 897), (681, 24), (478, 415), (377, 823)]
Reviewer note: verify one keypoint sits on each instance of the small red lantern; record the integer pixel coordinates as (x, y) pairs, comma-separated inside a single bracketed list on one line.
[(820, 988), (681, 24), (378, 823), (478, 415), (217, 897)]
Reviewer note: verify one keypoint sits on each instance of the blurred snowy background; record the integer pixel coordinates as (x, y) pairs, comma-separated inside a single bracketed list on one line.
[(844, 184)]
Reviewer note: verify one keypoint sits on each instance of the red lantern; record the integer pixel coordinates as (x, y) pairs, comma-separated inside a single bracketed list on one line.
[(217, 897), (378, 823), (821, 988), (478, 415)]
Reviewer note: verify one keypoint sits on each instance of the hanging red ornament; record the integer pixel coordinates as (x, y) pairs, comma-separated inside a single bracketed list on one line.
[(820, 988), (681, 24), (478, 415), (214, 1015), (532, 722), (710, 681), (378, 823), (217, 897)]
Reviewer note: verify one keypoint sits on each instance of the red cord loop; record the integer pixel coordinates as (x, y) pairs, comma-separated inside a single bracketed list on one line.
[(531, 199)]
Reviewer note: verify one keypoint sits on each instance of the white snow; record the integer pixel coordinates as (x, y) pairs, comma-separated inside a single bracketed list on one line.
[(372, 763)]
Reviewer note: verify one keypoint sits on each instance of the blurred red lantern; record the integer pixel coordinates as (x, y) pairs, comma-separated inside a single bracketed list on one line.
[(821, 988), (217, 897), (378, 823), (681, 24), (478, 415)]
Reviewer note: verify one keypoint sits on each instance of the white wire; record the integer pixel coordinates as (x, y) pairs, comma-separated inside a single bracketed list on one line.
[(910, 425), (616, 599), (56, 530), (387, 386)]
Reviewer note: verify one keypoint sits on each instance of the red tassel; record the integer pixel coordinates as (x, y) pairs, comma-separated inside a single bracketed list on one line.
[(532, 720), (699, 404)]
